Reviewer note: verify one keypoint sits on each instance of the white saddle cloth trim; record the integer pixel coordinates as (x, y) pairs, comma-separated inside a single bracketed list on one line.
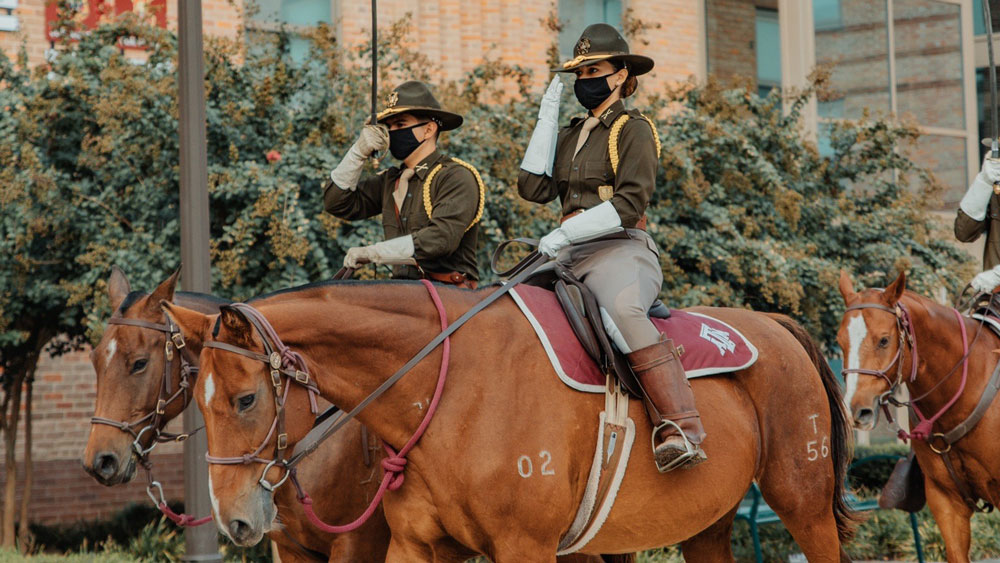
[(987, 319)]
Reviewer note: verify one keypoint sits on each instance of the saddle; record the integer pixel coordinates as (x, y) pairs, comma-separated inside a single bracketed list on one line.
[(584, 317)]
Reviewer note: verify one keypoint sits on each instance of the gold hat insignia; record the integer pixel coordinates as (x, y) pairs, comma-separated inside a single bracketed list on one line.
[(582, 46), (393, 98)]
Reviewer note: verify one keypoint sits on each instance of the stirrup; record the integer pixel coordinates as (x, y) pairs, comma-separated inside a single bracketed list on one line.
[(679, 461)]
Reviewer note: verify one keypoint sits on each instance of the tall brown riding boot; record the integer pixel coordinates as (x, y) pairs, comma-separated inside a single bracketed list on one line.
[(677, 429)]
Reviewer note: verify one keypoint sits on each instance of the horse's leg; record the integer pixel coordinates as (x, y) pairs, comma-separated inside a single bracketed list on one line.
[(952, 517), (714, 543)]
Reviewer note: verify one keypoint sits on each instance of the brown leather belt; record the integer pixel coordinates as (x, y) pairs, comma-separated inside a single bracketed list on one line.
[(641, 225), (454, 278)]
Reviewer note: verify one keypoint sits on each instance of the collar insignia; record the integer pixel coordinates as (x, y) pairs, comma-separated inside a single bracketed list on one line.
[(420, 168), (393, 98), (606, 113), (582, 46)]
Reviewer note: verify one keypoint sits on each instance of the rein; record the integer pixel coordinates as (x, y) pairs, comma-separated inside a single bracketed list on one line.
[(174, 341), (283, 361)]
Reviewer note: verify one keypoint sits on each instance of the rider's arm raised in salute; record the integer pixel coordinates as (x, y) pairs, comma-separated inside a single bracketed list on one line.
[(344, 197)]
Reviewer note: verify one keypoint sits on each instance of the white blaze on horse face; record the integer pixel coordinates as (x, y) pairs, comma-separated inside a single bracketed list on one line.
[(857, 331), (209, 389), (215, 505), (112, 347)]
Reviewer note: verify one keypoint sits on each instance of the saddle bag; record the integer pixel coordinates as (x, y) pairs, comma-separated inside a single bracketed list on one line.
[(905, 488)]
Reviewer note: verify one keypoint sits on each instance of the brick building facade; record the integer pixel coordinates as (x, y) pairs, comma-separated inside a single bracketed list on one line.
[(905, 56)]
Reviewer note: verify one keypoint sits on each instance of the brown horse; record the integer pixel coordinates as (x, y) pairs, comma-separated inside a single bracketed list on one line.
[(873, 341), (779, 422), (129, 362)]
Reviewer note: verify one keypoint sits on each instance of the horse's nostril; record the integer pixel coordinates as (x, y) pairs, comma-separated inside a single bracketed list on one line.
[(106, 465), (864, 416), (239, 530)]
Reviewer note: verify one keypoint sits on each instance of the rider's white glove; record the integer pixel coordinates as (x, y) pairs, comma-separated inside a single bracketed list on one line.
[(987, 281), (398, 250), (541, 152), (976, 201), (373, 138), (593, 223)]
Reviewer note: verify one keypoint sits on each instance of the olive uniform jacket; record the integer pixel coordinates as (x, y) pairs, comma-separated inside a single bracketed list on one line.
[(595, 174), (968, 229), (442, 208)]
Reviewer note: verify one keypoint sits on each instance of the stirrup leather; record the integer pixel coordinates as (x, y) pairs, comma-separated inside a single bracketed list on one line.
[(679, 461)]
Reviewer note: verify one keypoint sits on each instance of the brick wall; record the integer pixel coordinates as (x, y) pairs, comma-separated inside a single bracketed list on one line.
[(730, 34), (64, 395)]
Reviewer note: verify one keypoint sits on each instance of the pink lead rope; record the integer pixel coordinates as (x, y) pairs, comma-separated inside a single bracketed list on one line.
[(924, 428), (396, 462)]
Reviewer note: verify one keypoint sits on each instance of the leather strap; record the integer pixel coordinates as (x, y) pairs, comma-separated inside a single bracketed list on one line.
[(453, 278), (990, 393), (971, 500), (307, 446)]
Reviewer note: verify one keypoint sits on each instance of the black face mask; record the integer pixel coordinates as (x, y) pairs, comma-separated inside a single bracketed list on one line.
[(402, 142), (591, 92)]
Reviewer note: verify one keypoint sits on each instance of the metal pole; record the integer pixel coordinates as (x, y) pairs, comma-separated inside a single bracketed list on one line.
[(201, 543)]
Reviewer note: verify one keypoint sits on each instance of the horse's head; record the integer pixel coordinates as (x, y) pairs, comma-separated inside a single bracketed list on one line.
[(871, 339), (237, 398), (130, 361)]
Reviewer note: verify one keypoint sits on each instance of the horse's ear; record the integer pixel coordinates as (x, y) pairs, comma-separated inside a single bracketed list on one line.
[(195, 327), (165, 291), (118, 287), (847, 287), (895, 289), (238, 328)]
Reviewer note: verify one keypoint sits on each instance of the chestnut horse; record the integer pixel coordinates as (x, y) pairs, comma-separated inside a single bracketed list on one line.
[(129, 362), (466, 491), (874, 339)]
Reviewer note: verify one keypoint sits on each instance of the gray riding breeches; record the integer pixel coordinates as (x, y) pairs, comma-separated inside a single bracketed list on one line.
[(625, 277)]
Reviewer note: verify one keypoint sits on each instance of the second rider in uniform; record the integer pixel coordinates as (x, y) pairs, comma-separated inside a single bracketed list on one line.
[(603, 170), (430, 206)]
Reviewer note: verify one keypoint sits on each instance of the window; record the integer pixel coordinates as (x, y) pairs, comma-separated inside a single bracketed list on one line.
[(576, 15), (827, 15), (292, 14), (768, 47)]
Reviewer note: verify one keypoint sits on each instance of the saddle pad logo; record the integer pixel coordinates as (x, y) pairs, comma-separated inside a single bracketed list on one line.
[(719, 338)]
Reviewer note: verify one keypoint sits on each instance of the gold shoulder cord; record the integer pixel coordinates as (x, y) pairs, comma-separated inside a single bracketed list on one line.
[(479, 180), (616, 129)]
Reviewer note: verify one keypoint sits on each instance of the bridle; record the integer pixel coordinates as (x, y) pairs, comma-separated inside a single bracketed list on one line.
[(154, 418), (174, 348), (907, 336), (283, 363)]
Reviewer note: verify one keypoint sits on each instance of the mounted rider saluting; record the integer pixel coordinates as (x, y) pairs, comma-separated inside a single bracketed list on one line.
[(603, 170), (430, 206)]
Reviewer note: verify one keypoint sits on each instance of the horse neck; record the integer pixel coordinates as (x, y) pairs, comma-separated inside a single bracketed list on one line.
[(940, 348), (354, 337)]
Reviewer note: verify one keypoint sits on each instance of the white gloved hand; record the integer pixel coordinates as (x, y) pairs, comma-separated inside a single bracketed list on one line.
[(990, 170), (373, 138), (398, 250), (541, 151), (987, 281), (357, 256), (593, 223), (552, 243)]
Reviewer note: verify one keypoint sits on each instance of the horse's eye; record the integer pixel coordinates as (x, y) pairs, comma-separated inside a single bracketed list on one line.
[(883, 342), (139, 365), (245, 402)]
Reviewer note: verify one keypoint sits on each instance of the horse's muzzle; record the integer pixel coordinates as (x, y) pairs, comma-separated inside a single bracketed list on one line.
[(865, 418), (108, 469)]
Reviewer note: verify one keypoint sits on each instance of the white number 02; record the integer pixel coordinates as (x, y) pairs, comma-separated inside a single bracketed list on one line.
[(525, 468)]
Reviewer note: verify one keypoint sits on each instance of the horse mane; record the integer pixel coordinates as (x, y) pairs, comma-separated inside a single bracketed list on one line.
[(203, 298)]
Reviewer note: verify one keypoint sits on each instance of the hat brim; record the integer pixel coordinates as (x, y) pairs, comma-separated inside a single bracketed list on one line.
[(637, 64), (447, 119)]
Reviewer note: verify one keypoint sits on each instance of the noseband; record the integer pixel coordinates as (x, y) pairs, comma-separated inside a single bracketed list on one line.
[(904, 327), (174, 341), (282, 362)]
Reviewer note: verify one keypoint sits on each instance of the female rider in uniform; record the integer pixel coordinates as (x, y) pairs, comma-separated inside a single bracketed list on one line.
[(603, 170)]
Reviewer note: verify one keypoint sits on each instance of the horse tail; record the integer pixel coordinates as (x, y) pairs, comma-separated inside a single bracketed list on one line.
[(840, 429)]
